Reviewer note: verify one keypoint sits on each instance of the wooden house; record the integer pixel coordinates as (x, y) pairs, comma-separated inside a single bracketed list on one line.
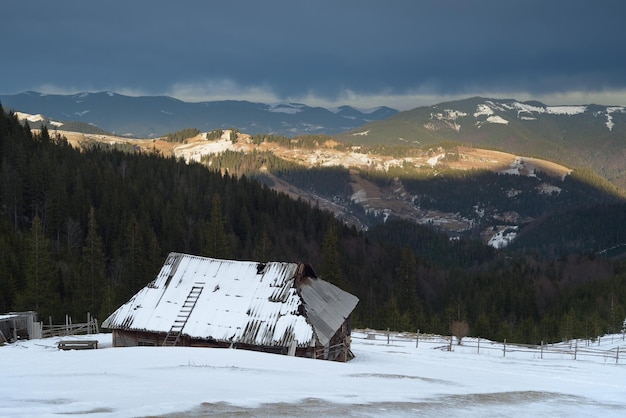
[(273, 307)]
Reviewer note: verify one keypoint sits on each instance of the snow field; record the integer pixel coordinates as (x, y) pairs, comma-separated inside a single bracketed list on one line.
[(385, 379)]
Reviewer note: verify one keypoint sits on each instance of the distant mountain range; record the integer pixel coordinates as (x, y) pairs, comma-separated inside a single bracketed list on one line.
[(154, 116), (584, 136)]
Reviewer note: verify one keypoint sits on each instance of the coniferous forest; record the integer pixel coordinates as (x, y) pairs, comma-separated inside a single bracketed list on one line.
[(82, 230)]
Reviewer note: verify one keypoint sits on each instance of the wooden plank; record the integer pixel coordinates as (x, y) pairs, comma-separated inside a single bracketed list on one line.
[(78, 345)]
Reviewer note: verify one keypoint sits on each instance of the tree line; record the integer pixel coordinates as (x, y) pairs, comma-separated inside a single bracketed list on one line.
[(181, 135)]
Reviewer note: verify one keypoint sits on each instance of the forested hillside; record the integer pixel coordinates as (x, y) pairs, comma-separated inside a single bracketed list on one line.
[(469, 195), (585, 136), (82, 230)]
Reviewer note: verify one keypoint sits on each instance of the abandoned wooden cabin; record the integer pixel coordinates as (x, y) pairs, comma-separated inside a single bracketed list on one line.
[(272, 307)]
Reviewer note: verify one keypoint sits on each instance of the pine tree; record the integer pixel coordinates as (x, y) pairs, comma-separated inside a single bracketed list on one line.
[(406, 274), (215, 241), (40, 292), (132, 255), (263, 247), (8, 266), (93, 269), (331, 267)]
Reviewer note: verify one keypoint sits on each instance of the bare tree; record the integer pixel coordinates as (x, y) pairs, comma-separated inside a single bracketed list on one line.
[(460, 329)]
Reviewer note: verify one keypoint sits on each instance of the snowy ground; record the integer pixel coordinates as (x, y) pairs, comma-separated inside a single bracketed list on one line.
[(393, 378)]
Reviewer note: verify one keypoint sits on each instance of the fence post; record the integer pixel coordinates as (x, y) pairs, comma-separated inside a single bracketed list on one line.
[(478, 349), (504, 349), (387, 336), (617, 356), (576, 349), (542, 349), (417, 338)]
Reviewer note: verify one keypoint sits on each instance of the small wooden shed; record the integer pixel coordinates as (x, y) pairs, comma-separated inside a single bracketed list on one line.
[(273, 307), (19, 326)]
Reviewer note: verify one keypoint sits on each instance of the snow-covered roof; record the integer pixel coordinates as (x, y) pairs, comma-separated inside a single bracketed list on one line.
[(264, 304)]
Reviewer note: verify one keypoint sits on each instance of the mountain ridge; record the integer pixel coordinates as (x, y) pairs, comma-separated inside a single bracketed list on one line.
[(154, 116), (579, 136)]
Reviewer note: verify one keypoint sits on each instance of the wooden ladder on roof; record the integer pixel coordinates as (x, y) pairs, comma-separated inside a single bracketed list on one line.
[(172, 337)]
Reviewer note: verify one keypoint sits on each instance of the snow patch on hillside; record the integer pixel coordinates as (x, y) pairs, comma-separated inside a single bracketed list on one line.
[(433, 161), (195, 151), (448, 117), (21, 116), (497, 119), (519, 167), (359, 196), (483, 110), (289, 108), (503, 237), (488, 109), (609, 116), (545, 188), (448, 114), (566, 110), (526, 108), (28, 117), (486, 112)]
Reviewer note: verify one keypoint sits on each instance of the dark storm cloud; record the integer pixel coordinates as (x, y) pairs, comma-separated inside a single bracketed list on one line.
[(322, 49)]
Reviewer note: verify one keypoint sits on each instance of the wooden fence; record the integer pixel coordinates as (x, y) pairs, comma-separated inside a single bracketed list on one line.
[(589, 350), (69, 328)]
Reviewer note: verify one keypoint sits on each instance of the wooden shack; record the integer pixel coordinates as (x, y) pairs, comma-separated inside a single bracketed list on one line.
[(19, 326), (274, 307)]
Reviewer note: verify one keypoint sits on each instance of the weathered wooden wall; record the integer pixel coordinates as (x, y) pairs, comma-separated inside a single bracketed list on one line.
[(338, 348)]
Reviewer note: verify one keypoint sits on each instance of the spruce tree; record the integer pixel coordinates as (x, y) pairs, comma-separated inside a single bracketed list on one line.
[(40, 292), (132, 256), (215, 241), (93, 269), (263, 247), (331, 266), (406, 274)]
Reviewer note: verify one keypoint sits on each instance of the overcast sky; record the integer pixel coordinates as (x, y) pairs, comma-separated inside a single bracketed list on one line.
[(364, 53)]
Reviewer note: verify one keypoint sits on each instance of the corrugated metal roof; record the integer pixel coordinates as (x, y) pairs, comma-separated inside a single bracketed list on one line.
[(240, 302), (327, 306)]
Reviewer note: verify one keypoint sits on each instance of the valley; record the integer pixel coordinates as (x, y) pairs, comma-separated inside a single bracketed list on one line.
[(368, 199)]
